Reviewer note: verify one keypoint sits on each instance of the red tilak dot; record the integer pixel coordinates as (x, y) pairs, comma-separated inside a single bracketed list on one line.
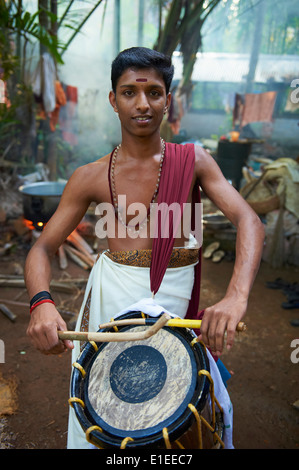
[(141, 79)]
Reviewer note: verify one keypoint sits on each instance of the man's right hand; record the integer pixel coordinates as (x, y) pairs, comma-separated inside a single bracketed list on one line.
[(42, 330)]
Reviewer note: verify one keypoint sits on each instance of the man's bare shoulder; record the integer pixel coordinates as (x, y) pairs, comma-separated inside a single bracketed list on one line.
[(202, 156), (89, 182), (97, 165), (88, 172), (205, 164)]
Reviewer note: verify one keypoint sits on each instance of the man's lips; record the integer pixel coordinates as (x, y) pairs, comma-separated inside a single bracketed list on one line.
[(144, 118)]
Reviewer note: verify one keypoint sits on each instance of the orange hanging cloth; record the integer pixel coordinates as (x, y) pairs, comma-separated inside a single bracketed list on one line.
[(60, 101)]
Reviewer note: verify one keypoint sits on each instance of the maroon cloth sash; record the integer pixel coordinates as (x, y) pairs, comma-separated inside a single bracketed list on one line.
[(176, 178)]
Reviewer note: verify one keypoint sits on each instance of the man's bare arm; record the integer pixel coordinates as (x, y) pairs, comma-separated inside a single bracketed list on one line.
[(224, 315), (45, 319)]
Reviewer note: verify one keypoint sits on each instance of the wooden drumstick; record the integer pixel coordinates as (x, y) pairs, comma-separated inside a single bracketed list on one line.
[(196, 324), (175, 322), (108, 337)]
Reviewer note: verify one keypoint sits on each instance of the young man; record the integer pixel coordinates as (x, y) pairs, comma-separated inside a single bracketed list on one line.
[(141, 170)]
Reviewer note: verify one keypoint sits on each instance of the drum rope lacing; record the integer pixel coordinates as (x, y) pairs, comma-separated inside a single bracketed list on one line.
[(199, 419)]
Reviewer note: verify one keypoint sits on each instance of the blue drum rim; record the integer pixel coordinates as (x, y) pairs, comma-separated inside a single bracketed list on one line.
[(176, 424)]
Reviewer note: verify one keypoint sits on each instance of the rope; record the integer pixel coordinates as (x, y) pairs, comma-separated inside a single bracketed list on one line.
[(89, 430), (76, 400), (94, 345), (125, 441), (197, 417), (213, 400), (115, 327), (80, 368), (166, 438)]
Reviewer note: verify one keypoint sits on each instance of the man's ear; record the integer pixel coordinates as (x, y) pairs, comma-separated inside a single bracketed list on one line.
[(168, 100), (112, 100)]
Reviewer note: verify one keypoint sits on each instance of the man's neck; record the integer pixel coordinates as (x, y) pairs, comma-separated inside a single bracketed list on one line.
[(140, 148)]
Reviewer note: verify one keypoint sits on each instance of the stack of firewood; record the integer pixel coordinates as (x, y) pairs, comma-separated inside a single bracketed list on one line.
[(78, 250)]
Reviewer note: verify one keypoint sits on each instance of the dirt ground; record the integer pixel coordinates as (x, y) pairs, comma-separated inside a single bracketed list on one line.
[(263, 386)]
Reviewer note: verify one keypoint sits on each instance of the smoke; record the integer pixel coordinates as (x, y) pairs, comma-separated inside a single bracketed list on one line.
[(87, 67)]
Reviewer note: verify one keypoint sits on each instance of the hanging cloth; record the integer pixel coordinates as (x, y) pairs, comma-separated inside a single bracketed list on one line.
[(258, 107), (43, 82), (175, 183)]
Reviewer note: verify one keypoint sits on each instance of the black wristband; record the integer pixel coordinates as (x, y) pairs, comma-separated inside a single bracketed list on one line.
[(40, 296)]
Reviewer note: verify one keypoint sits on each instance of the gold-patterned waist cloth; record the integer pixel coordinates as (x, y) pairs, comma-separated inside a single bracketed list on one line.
[(142, 258)]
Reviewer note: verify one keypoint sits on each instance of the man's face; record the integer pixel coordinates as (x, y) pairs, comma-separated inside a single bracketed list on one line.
[(140, 101)]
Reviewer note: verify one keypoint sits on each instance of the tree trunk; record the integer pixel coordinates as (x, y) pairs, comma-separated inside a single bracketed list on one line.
[(140, 23), (116, 27), (52, 136), (169, 37), (43, 6), (183, 27), (256, 44)]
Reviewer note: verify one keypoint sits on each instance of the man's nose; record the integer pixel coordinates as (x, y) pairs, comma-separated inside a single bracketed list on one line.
[(142, 102)]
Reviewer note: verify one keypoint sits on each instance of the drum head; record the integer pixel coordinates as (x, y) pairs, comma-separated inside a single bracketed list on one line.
[(135, 389)]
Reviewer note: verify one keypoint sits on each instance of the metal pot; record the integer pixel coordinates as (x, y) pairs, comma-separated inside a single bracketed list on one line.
[(40, 201), (216, 222)]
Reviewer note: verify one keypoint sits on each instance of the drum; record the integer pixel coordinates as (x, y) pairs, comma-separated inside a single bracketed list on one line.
[(153, 393)]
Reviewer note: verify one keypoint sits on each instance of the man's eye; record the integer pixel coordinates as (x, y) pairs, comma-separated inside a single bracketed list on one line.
[(128, 92), (155, 93)]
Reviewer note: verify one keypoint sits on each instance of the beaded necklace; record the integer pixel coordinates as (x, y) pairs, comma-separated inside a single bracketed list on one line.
[(113, 194)]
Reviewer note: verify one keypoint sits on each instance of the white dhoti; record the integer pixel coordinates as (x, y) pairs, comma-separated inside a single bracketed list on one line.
[(113, 287)]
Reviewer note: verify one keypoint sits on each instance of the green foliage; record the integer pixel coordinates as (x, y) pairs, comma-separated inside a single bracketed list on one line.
[(16, 24), (183, 30), (231, 27)]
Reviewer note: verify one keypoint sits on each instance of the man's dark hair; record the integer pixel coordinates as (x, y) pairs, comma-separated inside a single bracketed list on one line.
[(142, 58)]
